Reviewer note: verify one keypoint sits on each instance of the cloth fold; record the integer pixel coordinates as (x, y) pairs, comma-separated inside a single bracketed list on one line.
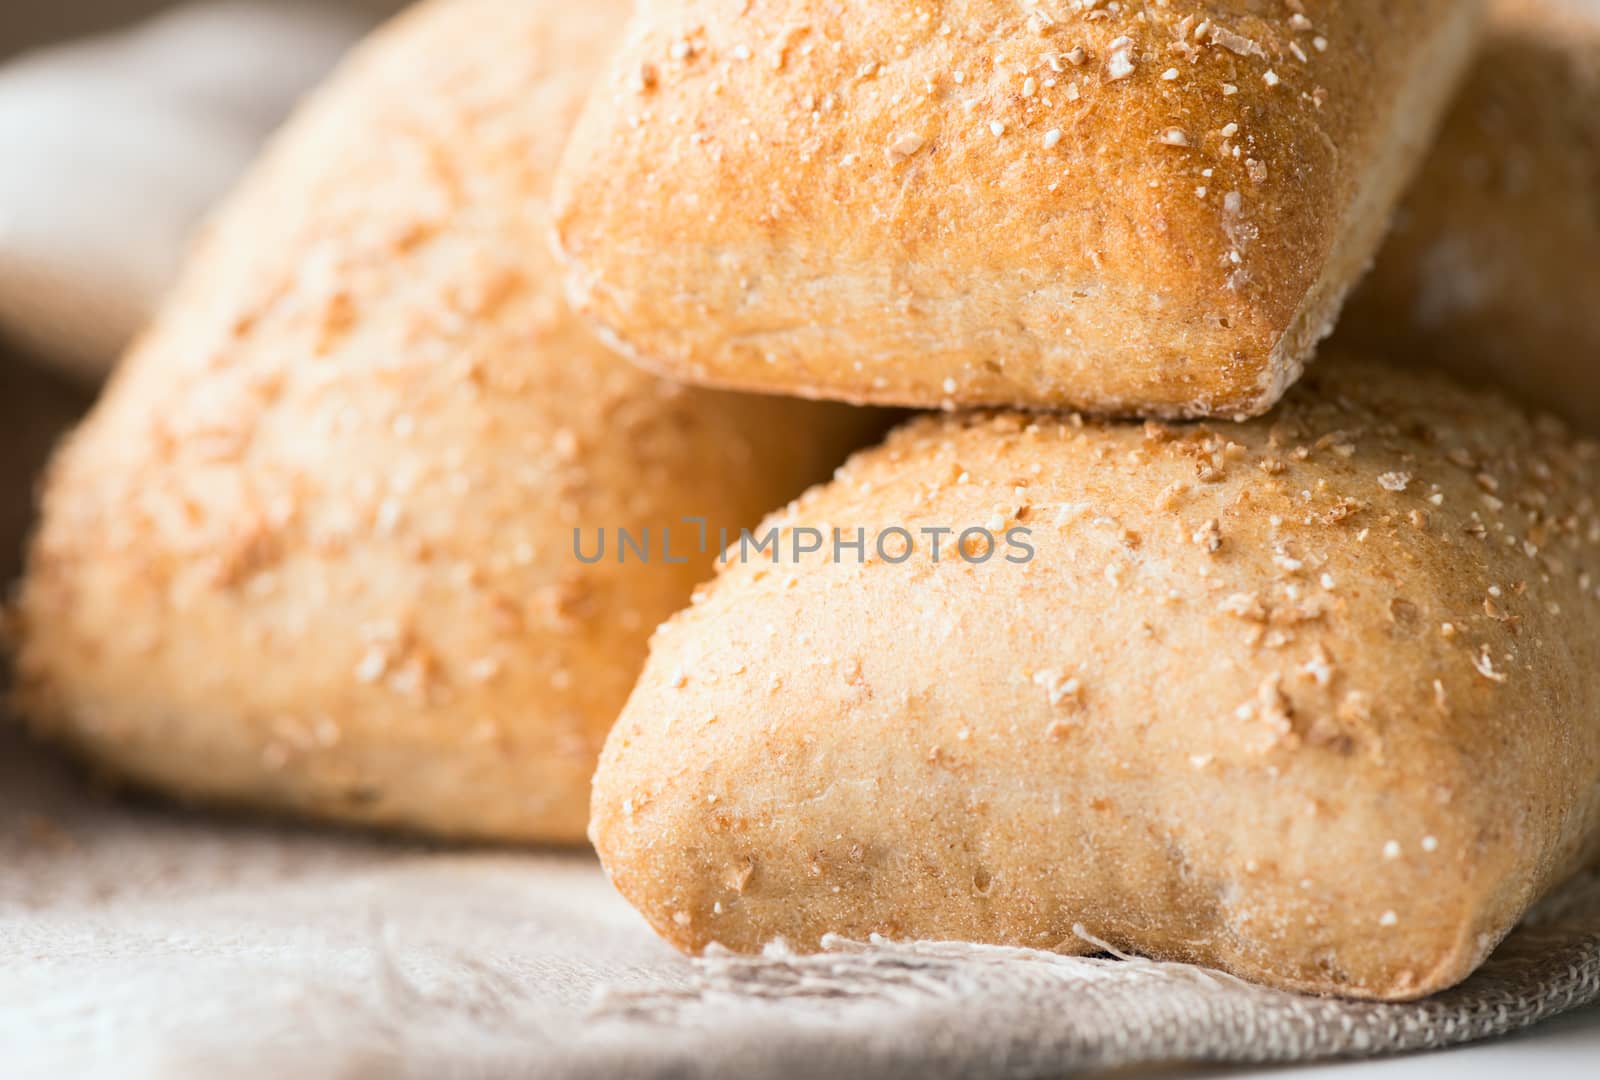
[(116, 148)]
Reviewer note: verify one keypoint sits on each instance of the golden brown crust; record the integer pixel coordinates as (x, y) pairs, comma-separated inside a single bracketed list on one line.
[(1311, 699), (1491, 269), (314, 551), (1136, 207)]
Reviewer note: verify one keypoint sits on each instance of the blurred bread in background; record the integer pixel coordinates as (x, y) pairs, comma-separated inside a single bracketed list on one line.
[(1492, 267), (314, 550)]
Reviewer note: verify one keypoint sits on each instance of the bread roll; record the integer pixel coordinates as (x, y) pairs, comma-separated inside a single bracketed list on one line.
[(1310, 699), (1147, 209), (315, 551), (1492, 268)]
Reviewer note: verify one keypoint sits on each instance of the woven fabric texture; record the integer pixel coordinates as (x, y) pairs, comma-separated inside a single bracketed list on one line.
[(137, 940)]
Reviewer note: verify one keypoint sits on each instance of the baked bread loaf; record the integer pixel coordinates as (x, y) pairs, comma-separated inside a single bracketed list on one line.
[(1310, 699), (1153, 209), (1491, 268), (315, 550)]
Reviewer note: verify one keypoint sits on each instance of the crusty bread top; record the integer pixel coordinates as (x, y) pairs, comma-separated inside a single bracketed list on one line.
[(1493, 266), (1178, 175)]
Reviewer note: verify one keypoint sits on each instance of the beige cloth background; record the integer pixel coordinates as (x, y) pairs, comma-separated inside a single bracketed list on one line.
[(138, 940)]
